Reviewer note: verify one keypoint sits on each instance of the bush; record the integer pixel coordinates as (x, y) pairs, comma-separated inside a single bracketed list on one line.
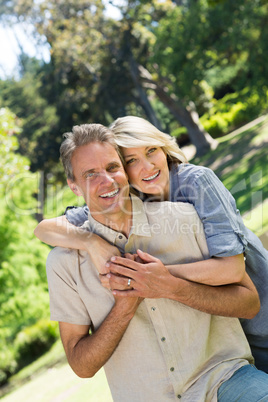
[(231, 112), (33, 341), (8, 364)]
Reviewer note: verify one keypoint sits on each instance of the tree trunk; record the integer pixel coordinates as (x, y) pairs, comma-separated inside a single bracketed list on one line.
[(187, 117), (143, 98)]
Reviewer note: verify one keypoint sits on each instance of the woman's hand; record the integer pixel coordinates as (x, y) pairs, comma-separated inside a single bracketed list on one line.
[(149, 278), (100, 252), (106, 280)]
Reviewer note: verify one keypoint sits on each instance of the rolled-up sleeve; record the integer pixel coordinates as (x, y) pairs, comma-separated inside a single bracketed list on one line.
[(77, 215)]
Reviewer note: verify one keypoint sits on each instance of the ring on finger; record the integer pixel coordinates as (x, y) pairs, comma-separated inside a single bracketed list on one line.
[(129, 282)]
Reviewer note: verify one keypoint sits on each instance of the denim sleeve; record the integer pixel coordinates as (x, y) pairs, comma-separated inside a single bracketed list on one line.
[(77, 215), (217, 210)]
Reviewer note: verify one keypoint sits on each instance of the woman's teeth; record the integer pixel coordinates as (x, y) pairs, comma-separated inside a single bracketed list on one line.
[(151, 177), (111, 194)]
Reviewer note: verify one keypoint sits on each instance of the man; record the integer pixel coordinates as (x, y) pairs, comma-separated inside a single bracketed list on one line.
[(155, 348)]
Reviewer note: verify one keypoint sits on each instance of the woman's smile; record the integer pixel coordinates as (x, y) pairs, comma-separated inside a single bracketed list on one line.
[(154, 176)]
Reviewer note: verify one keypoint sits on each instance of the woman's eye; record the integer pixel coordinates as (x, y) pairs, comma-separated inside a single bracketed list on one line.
[(151, 150), (130, 161)]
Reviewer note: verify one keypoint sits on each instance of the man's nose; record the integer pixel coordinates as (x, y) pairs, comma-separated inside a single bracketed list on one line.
[(106, 177)]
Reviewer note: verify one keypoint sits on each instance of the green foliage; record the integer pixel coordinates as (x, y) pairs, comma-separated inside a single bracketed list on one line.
[(222, 44), (38, 117), (232, 111), (33, 341), (11, 163), (8, 363), (23, 289)]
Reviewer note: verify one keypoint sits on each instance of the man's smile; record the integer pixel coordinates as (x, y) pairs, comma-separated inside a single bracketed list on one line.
[(111, 194)]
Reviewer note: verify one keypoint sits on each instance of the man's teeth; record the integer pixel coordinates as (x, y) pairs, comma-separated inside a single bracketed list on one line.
[(111, 194), (151, 177)]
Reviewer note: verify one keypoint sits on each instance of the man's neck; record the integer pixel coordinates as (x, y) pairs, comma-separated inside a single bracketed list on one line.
[(120, 222)]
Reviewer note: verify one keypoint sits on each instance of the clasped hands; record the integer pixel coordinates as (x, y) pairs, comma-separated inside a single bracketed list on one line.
[(139, 275)]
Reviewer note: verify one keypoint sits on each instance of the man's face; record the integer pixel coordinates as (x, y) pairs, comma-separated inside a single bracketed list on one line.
[(100, 178)]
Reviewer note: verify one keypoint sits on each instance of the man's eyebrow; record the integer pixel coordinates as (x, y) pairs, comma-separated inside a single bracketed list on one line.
[(113, 163)]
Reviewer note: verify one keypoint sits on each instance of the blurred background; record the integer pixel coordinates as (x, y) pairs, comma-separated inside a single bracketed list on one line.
[(198, 70)]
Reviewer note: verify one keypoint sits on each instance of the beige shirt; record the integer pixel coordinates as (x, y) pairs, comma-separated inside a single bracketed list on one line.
[(169, 351)]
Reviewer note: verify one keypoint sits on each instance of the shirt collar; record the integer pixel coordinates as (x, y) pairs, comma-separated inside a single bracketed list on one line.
[(140, 224)]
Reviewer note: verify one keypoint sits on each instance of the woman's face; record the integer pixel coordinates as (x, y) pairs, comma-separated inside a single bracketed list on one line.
[(147, 170)]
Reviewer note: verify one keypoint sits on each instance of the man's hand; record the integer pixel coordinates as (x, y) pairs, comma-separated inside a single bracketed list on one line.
[(147, 279)]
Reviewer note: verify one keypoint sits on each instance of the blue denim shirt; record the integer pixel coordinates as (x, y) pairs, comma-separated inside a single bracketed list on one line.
[(226, 236)]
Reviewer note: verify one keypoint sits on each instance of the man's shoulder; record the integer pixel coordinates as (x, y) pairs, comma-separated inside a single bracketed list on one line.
[(59, 255), (57, 252)]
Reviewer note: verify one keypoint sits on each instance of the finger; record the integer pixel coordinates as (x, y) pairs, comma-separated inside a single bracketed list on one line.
[(125, 293), (133, 257), (125, 262), (146, 256), (122, 271), (118, 286), (130, 256), (105, 282), (122, 283), (103, 278)]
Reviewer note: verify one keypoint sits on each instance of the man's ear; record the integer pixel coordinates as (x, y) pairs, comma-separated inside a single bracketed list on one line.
[(74, 187)]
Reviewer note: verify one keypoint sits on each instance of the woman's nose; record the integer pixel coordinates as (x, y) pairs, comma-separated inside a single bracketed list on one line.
[(148, 165)]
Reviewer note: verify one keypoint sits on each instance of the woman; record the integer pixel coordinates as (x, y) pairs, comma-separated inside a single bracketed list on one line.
[(158, 170)]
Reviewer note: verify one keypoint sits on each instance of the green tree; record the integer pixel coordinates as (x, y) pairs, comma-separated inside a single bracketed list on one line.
[(23, 289), (178, 54)]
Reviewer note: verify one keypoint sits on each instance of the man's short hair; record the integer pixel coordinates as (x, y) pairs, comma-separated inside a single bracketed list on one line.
[(82, 135)]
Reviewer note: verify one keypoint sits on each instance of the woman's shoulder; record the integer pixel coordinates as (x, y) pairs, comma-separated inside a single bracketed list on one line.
[(189, 171), (190, 168), (189, 180)]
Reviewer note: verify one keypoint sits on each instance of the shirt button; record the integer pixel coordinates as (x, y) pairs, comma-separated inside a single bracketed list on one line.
[(179, 396), (171, 369), (163, 339), (120, 237), (153, 308)]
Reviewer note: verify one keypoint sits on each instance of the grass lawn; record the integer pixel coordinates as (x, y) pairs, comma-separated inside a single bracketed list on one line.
[(61, 384), (50, 379)]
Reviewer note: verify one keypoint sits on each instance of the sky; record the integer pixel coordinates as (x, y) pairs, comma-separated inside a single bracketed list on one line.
[(9, 48)]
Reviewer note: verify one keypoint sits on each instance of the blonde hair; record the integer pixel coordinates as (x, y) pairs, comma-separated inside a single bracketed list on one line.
[(135, 132)]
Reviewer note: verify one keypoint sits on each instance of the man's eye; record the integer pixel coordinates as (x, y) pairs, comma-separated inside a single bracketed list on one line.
[(91, 175), (112, 168)]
